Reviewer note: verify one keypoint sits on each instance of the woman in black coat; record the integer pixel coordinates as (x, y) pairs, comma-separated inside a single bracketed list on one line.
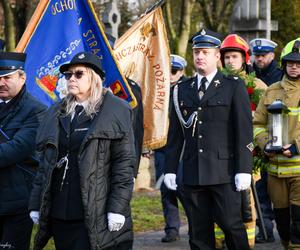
[(84, 184)]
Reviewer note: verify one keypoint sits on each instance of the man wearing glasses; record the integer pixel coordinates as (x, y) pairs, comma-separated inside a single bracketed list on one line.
[(169, 197), (20, 115), (283, 169)]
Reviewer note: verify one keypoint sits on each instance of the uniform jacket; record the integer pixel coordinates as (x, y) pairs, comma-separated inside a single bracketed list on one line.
[(218, 143), (19, 120), (269, 75), (289, 92), (138, 123), (105, 160)]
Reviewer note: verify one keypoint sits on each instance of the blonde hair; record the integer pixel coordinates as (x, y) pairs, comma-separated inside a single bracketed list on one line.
[(94, 100)]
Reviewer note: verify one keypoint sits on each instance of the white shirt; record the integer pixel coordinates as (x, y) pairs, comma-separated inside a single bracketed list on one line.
[(7, 101), (209, 78)]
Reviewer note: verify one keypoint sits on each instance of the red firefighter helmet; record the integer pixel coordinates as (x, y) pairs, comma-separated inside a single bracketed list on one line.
[(234, 42)]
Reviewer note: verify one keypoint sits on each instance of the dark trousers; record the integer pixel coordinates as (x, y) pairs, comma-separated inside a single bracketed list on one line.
[(73, 235), (265, 203), (69, 235), (217, 203), (15, 231), (169, 198)]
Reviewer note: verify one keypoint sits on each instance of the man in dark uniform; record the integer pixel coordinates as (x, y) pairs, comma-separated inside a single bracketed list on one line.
[(264, 64), (211, 116), (20, 115), (169, 197), (267, 70)]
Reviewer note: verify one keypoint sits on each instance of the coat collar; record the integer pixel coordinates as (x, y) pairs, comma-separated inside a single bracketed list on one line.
[(13, 106)]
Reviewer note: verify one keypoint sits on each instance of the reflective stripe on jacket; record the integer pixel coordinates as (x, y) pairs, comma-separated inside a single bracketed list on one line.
[(289, 92)]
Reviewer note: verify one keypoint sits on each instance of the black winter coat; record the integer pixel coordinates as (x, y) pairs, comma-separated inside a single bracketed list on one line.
[(270, 74), (19, 120), (105, 160)]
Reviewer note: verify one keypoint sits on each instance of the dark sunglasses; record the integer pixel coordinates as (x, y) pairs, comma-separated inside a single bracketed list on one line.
[(174, 71), (78, 74)]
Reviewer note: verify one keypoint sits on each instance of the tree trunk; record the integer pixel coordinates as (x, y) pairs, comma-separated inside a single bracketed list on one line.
[(179, 34), (9, 26), (185, 25), (216, 13)]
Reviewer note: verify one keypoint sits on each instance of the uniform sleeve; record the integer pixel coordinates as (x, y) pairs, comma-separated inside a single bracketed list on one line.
[(22, 145), (174, 142), (36, 191), (243, 130), (138, 126), (260, 122)]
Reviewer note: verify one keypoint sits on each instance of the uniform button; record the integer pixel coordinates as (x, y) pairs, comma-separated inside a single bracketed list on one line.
[(199, 108), (200, 122), (200, 150), (200, 136), (218, 102)]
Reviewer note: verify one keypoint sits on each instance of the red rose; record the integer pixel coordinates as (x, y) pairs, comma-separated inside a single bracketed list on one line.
[(254, 152), (253, 106), (250, 90)]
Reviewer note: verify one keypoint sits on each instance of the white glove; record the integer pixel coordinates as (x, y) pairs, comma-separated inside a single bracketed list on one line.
[(242, 181), (35, 216), (115, 221), (170, 181)]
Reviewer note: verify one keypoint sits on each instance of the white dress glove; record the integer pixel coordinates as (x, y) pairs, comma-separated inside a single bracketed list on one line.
[(170, 181), (242, 181), (35, 216), (115, 221)]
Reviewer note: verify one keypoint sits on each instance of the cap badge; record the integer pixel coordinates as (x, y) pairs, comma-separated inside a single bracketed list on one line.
[(203, 32), (81, 56), (258, 42)]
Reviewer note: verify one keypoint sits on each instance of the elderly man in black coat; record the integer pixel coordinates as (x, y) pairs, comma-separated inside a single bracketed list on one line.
[(211, 122), (20, 115)]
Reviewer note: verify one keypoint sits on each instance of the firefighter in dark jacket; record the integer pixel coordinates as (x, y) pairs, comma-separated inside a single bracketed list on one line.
[(211, 116), (85, 179), (169, 197), (20, 115)]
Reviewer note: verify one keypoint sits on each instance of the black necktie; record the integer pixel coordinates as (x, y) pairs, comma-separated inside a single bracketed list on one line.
[(78, 110), (202, 87), (2, 106)]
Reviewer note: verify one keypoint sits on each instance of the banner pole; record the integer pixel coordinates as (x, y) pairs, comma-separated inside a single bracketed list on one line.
[(32, 25)]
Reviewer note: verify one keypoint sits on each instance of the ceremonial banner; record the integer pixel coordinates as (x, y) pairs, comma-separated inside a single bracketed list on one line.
[(144, 56), (58, 30)]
